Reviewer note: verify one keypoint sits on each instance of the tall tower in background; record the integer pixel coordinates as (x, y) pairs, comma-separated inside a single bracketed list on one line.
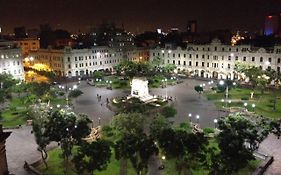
[(272, 24), (192, 26)]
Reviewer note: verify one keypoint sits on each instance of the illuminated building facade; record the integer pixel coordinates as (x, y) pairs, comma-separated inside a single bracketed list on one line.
[(216, 60), (11, 60), (47, 60), (70, 62), (27, 45)]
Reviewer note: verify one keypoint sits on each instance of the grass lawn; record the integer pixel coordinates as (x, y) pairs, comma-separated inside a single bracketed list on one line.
[(55, 166), (14, 115), (241, 95)]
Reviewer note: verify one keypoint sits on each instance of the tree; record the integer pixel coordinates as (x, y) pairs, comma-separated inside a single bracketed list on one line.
[(98, 74), (168, 111), (68, 129), (198, 89), (257, 77), (158, 124), (40, 117), (6, 83), (187, 148), (169, 68), (137, 148), (92, 156), (128, 124), (75, 93), (238, 139)]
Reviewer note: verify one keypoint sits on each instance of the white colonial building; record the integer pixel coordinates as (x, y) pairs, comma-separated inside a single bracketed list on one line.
[(11, 60), (217, 60), (81, 62)]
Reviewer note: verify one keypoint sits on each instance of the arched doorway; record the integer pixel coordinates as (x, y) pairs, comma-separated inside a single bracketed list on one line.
[(215, 75), (202, 73)]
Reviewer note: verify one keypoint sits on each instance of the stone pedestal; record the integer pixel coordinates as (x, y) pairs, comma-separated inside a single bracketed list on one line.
[(139, 89)]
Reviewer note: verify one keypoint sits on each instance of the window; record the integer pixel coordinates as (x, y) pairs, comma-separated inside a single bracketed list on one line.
[(69, 66), (203, 56), (173, 55), (269, 60), (174, 62), (228, 66), (215, 48), (196, 55), (279, 60), (75, 58), (203, 64), (179, 62), (184, 63), (261, 59), (229, 58), (190, 63), (179, 55), (278, 69), (244, 58), (184, 55), (253, 58), (190, 56), (208, 64), (196, 64)]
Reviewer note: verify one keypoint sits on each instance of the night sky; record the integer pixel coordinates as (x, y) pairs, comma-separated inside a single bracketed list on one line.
[(137, 15)]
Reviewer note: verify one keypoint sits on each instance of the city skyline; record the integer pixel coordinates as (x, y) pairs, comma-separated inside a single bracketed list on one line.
[(138, 16)]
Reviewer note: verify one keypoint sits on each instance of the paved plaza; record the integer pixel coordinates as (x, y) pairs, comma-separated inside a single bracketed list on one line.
[(21, 145), (185, 99)]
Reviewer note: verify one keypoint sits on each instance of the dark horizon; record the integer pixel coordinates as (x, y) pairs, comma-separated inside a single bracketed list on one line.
[(138, 16)]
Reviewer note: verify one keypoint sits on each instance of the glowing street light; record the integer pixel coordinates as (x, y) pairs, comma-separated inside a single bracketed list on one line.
[(197, 117), (165, 80), (162, 51), (245, 104), (189, 116), (215, 122)]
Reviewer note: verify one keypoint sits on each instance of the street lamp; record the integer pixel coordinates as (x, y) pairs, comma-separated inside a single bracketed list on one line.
[(215, 122), (253, 106), (99, 121), (165, 80), (197, 117), (189, 116), (221, 82), (245, 104)]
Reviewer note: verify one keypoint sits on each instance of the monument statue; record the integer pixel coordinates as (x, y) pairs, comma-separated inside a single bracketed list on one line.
[(139, 89)]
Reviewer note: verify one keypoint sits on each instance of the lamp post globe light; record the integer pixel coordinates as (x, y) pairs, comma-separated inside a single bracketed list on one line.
[(197, 118), (189, 116), (253, 106), (165, 80), (222, 83), (215, 122)]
